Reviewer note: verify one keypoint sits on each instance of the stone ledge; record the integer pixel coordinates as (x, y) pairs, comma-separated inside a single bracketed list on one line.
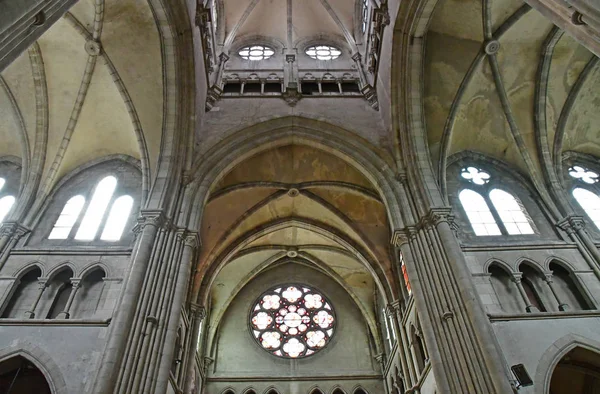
[(542, 315), (55, 322), (292, 378)]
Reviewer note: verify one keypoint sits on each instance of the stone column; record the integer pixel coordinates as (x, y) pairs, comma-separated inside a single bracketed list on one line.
[(561, 305), (30, 314), (529, 307), (191, 243), (198, 314), (457, 331), (380, 358), (76, 284), (122, 322), (405, 362)]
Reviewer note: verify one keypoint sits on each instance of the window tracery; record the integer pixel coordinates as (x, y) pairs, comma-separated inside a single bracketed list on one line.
[(292, 321), (490, 210), (256, 52), (323, 52)]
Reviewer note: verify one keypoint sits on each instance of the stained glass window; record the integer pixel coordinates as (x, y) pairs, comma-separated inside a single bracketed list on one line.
[(292, 321), (323, 52), (256, 52)]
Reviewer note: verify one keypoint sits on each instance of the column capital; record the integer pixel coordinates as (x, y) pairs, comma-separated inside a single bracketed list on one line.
[(149, 217), (516, 277), (13, 229), (198, 311), (571, 224), (400, 237), (380, 358), (436, 216)]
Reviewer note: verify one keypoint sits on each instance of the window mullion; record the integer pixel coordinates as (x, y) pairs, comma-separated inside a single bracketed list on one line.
[(494, 212), (105, 215)]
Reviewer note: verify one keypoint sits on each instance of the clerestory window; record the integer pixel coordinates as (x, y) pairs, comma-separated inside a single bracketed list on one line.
[(256, 52), (490, 210), (6, 202), (323, 52), (95, 215), (587, 191)]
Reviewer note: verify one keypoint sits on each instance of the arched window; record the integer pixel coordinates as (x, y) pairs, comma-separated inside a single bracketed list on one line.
[(590, 202), (505, 289), (95, 214), (360, 391), (117, 219), (256, 52), (89, 297), (323, 52), (58, 292), (24, 294), (338, 391), (19, 375), (491, 211), (95, 211), (6, 204), (532, 284), (316, 391), (479, 213), (511, 212), (68, 217)]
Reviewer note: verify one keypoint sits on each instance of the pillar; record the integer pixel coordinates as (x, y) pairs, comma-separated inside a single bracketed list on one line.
[(123, 320), (462, 348), (76, 284), (30, 314), (198, 313), (529, 307), (561, 305)]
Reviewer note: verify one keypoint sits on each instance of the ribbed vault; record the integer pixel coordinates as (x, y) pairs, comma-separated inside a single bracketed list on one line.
[(501, 80), (300, 204)]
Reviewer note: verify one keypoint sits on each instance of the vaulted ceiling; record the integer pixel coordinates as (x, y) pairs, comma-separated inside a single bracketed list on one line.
[(240, 19), (293, 203), (90, 87), (529, 101)]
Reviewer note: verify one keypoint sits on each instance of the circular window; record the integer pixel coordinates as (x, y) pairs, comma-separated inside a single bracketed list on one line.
[(256, 52), (292, 321), (323, 52)]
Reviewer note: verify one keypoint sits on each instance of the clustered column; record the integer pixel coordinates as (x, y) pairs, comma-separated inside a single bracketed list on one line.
[(461, 345)]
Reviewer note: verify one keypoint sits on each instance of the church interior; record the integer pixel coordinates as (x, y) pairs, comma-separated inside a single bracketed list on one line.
[(299, 197)]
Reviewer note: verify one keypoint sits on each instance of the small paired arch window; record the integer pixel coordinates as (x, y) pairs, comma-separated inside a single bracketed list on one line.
[(587, 191), (6, 202), (95, 214), (491, 212)]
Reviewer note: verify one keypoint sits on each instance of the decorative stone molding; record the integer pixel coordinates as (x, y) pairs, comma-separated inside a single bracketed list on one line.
[(197, 311), (13, 229), (371, 96), (291, 94), (399, 238), (149, 218), (571, 224), (203, 22), (213, 94), (492, 47), (93, 47)]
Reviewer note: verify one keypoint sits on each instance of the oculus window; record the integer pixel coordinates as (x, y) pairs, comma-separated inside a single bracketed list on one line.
[(491, 210), (292, 321), (323, 52), (586, 191), (256, 52)]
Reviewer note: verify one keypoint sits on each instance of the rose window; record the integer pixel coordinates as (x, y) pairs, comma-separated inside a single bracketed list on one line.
[(292, 321)]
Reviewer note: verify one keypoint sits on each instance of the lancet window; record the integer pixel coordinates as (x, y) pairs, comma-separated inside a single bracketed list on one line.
[(6, 201), (491, 210), (105, 210)]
